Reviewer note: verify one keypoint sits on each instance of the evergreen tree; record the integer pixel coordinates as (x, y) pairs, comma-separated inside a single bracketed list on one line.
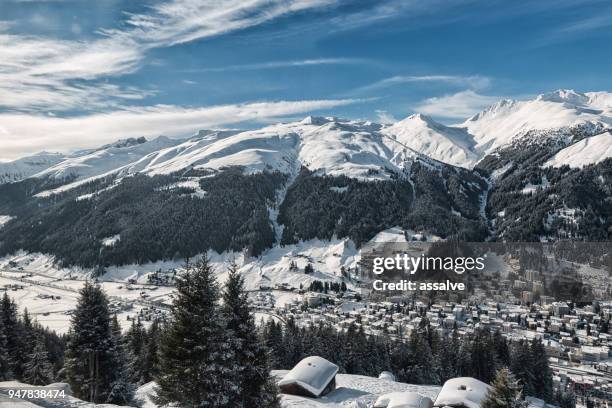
[(542, 374), (150, 359), (14, 337), (38, 369), (522, 366), (565, 399), (505, 392), (122, 390), (251, 365), (5, 368), (90, 362), (135, 342), (195, 356)]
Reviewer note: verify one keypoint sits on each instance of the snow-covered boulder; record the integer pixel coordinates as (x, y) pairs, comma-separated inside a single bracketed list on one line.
[(312, 377), (462, 392), (403, 400), (386, 375)]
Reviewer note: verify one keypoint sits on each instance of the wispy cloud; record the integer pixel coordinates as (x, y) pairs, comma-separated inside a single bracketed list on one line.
[(23, 133), (285, 64), (33, 67), (475, 82), (577, 29), (460, 105), (385, 117)]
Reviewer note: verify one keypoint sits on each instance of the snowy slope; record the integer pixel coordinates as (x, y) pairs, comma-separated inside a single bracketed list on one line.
[(448, 144), (93, 163), (25, 167), (587, 151), (502, 122)]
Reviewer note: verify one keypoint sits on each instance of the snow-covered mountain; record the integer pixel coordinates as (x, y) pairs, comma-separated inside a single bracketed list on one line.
[(357, 149), (507, 120), (445, 143), (27, 166), (320, 178)]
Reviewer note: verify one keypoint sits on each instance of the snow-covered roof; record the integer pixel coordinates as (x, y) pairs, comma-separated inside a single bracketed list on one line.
[(313, 374), (462, 392), (386, 375), (403, 400)]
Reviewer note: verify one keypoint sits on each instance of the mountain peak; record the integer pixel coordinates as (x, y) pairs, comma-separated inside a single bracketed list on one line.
[(318, 120), (564, 96)]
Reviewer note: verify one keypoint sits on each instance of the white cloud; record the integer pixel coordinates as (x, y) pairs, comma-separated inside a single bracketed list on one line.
[(181, 21), (23, 133), (286, 64), (475, 81), (460, 105), (42, 73), (385, 117)]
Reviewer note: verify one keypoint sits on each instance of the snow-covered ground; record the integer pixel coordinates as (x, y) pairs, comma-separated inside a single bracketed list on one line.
[(351, 390)]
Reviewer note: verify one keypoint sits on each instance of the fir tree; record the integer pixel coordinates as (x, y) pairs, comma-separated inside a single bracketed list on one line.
[(135, 342), (251, 365), (38, 369), (522, 366), (89, 360), (150, 359), (195, 357), (5, 368), (542, 374), (14, 337), (122, 391), (565, 399), (505, 392)]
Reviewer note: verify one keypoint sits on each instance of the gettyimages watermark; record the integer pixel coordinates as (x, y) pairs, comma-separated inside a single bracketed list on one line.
[(570, 271)]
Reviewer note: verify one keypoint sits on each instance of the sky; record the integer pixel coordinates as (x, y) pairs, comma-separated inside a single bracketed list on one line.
[(81, 73)]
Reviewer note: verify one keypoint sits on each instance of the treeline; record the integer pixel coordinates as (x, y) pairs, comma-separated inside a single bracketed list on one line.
[(425, 358), (154, 219)]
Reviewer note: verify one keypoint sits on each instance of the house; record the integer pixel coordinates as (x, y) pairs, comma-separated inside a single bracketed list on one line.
[(403, 400), (464, 392), (312, 377)]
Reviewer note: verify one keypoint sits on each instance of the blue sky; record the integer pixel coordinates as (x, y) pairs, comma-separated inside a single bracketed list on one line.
[(76, 73)]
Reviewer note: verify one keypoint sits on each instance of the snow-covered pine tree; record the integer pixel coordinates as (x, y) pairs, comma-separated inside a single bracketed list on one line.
[(121, 391), (135, 342), (89, 355), (5, 369), (14, 336), (150, 355), (273, 336), (195, 357), (251, 364), (38, 369), (521, 365), (505, 392)]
